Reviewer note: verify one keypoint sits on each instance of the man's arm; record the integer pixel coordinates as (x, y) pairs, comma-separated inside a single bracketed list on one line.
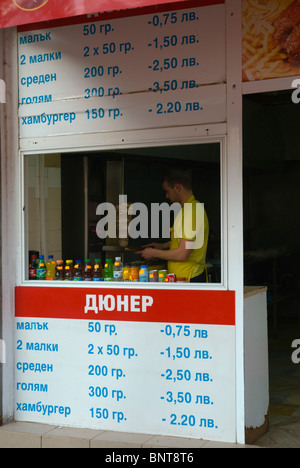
[(180, 254), (159, 245)]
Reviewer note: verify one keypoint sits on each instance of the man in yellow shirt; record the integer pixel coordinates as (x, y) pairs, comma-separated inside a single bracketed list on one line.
[(186, 250)]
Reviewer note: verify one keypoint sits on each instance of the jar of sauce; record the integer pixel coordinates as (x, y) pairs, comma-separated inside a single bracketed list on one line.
[(134, 273)]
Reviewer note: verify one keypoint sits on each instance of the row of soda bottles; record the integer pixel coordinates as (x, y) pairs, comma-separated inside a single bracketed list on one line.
[(39, 269)]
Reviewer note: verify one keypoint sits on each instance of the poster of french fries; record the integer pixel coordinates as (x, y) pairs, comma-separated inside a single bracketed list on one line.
[(271, 39)]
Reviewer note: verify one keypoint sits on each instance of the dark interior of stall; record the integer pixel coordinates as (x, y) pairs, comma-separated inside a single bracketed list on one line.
[(271, 196), (271, 149), (137, 173)]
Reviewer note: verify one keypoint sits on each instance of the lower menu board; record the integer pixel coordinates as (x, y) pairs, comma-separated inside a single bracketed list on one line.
[(75, 367)]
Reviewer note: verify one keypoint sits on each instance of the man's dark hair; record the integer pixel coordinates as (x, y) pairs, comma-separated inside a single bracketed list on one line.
[(179, 175)]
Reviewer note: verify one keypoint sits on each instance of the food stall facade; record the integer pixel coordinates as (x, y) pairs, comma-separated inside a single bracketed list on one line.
[(122, 91)]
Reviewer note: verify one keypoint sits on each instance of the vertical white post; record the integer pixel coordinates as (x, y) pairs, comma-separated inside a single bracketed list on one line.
[(10, 211), (42, 190), (235, 196)]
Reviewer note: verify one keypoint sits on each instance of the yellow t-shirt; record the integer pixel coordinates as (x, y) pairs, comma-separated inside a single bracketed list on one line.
[(190, 224)]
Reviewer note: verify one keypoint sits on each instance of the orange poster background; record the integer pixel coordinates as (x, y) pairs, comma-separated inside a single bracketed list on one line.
[(263, 58)]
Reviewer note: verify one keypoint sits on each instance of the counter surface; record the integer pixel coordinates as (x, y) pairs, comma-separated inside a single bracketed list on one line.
[(253, 290)]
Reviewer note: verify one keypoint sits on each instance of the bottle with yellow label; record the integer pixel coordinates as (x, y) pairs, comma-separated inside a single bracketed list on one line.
[(68, 270), (97, 270)]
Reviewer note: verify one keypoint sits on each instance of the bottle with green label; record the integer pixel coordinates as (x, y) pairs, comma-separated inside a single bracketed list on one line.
[(41, 268), (108, 270)]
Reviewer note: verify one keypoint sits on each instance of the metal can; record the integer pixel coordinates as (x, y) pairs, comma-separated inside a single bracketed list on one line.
[(162, 275), (153, 276), (170, 278)]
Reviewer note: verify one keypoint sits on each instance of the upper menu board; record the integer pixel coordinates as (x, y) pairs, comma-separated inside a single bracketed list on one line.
[(144, 71)]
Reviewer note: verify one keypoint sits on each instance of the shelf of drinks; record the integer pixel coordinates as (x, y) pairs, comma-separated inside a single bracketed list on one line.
[(93, 271)]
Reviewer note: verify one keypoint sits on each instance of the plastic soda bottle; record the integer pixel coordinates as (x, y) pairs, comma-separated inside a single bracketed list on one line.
[(59, 270), (68, 270), (97, 270), (108, 270), (41, 268), (78, 273), (88, 271), (144, 273), (118, 269), (50, 266), (32, 267)]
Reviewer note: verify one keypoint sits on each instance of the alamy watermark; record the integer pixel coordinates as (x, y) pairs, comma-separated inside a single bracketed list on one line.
[(296, 354), (296, 93), (135, 221)]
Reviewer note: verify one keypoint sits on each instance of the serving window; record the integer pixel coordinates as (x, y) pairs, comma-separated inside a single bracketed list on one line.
[(74, 205)]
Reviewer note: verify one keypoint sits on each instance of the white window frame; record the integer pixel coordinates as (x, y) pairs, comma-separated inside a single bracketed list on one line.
[(130, 140)]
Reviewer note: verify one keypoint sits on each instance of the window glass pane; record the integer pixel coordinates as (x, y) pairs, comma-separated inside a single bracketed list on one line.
[(74, 205)]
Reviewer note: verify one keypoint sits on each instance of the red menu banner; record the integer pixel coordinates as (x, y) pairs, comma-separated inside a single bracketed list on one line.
[(19, 12), (130, 305)]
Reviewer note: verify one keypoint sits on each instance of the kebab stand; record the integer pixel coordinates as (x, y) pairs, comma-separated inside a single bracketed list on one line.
[(186, 360)]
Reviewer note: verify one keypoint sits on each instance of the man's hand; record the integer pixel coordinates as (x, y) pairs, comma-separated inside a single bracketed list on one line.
[(148, 253), (180, 254)]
